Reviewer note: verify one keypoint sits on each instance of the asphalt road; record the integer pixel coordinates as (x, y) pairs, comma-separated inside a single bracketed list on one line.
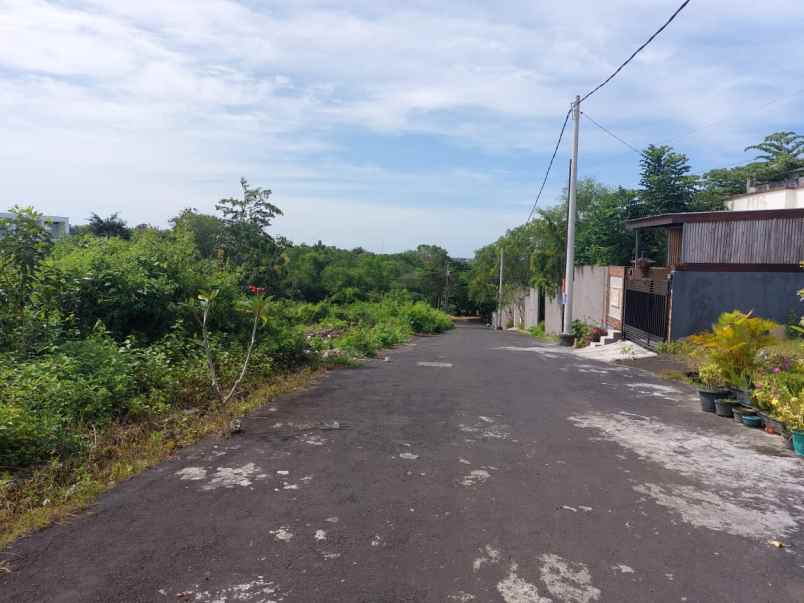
[(499, 470)]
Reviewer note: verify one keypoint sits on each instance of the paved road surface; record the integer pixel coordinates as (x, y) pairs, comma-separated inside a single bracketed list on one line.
[(519, 475)]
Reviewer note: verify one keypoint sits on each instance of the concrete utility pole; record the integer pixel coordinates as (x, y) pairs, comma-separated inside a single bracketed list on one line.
[(499, 290), (567, 338)]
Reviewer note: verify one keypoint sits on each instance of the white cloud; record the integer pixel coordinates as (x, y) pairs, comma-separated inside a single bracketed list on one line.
[(171, 102)]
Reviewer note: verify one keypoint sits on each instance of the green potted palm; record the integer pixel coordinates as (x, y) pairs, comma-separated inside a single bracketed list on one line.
[(733, 345), (711, 386)]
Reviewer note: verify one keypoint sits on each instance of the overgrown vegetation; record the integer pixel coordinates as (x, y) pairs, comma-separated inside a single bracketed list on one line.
[(118, 345)]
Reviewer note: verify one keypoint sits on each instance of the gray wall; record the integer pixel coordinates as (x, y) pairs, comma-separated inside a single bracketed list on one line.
[(589, 304), (523, 311), (698, 298)]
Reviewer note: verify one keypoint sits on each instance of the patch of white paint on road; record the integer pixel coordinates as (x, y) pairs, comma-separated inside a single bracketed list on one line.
[(192, 473), (230, 477), (492, 557), (409, 456), (623, 569), (331, 520), (376, 540), (493, 431), (464, 461), (514, 589), (734, 488), (568, 581), (283, 534), (711, 510), (473, 478), (486, 419), (258, 591), (655, 389), (313, 440), (435, 364), (461, 596), (320, 535)]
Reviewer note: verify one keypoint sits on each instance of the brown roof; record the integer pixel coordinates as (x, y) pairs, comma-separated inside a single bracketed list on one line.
[(671, 220)]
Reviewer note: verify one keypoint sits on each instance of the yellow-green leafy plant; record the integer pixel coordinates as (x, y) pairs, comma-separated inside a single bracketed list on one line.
[(711, 377), (732, 345)]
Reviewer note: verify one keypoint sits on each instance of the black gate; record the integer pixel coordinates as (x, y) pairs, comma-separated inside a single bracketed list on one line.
[(647, 308)]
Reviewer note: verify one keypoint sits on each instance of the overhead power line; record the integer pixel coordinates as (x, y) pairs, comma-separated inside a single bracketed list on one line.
[(612, 134), (636, 52), (549, 165)]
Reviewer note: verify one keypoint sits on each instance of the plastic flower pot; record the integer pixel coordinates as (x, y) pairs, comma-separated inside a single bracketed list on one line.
[(752, 421), (708, 398), (741, 411), (798, 442), (773, 425), (724, 407), (743, 396)]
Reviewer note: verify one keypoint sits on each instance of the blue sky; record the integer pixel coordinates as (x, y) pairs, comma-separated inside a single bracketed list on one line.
[(376, 124)]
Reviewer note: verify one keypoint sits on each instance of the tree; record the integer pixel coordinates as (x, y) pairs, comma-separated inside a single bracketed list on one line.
[(245, 240), (780, 155), (24, 243), (111, 226), (207, 230), (665, 183), (601, 238), (665, 187), (779, 146)]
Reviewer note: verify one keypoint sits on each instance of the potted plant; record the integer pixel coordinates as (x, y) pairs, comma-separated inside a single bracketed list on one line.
[(724, 407), (742, 411), (790, 410), (712, 385), (733, 345)]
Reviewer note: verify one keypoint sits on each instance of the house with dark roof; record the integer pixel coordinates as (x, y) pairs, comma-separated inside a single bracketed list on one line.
[(715, 262)]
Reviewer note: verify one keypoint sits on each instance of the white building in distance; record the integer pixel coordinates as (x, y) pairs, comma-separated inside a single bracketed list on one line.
[(59, 226)]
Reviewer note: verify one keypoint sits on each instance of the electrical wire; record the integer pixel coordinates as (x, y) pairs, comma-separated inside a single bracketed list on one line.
[(612, 134), (549, 166), (636, 52)]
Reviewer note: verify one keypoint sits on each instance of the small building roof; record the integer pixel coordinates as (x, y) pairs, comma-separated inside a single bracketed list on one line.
[(676, 220)]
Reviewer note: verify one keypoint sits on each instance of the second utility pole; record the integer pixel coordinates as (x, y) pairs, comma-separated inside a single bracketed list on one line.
[(499, 290), (567, 337)]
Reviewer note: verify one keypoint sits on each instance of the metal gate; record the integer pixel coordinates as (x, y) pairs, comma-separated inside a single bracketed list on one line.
[(647, 309)]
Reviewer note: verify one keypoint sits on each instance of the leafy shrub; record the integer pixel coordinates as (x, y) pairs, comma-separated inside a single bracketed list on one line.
[(580, 329), (537, 330), (711, 376), (132, 287), (426, 319), (733, 344)]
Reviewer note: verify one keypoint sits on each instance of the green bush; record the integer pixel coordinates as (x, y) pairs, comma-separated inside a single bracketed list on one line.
[(537, 330), (426, 319)]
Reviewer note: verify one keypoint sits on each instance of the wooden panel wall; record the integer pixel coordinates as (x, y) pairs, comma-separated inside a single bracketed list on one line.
[(674, 246), (773, 241)]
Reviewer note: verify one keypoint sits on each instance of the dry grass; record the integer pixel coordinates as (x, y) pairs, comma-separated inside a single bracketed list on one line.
[(59, 490)]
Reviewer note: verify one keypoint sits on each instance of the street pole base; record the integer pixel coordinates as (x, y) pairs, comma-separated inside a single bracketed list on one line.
[(566, 340)]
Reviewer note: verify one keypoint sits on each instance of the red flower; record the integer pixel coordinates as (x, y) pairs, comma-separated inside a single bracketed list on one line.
[(256, 290)]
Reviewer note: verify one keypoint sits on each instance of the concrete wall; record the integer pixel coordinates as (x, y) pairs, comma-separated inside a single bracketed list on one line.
[(552, 316), (589, 304), (785, 198), (523, 312), (698, 298)]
